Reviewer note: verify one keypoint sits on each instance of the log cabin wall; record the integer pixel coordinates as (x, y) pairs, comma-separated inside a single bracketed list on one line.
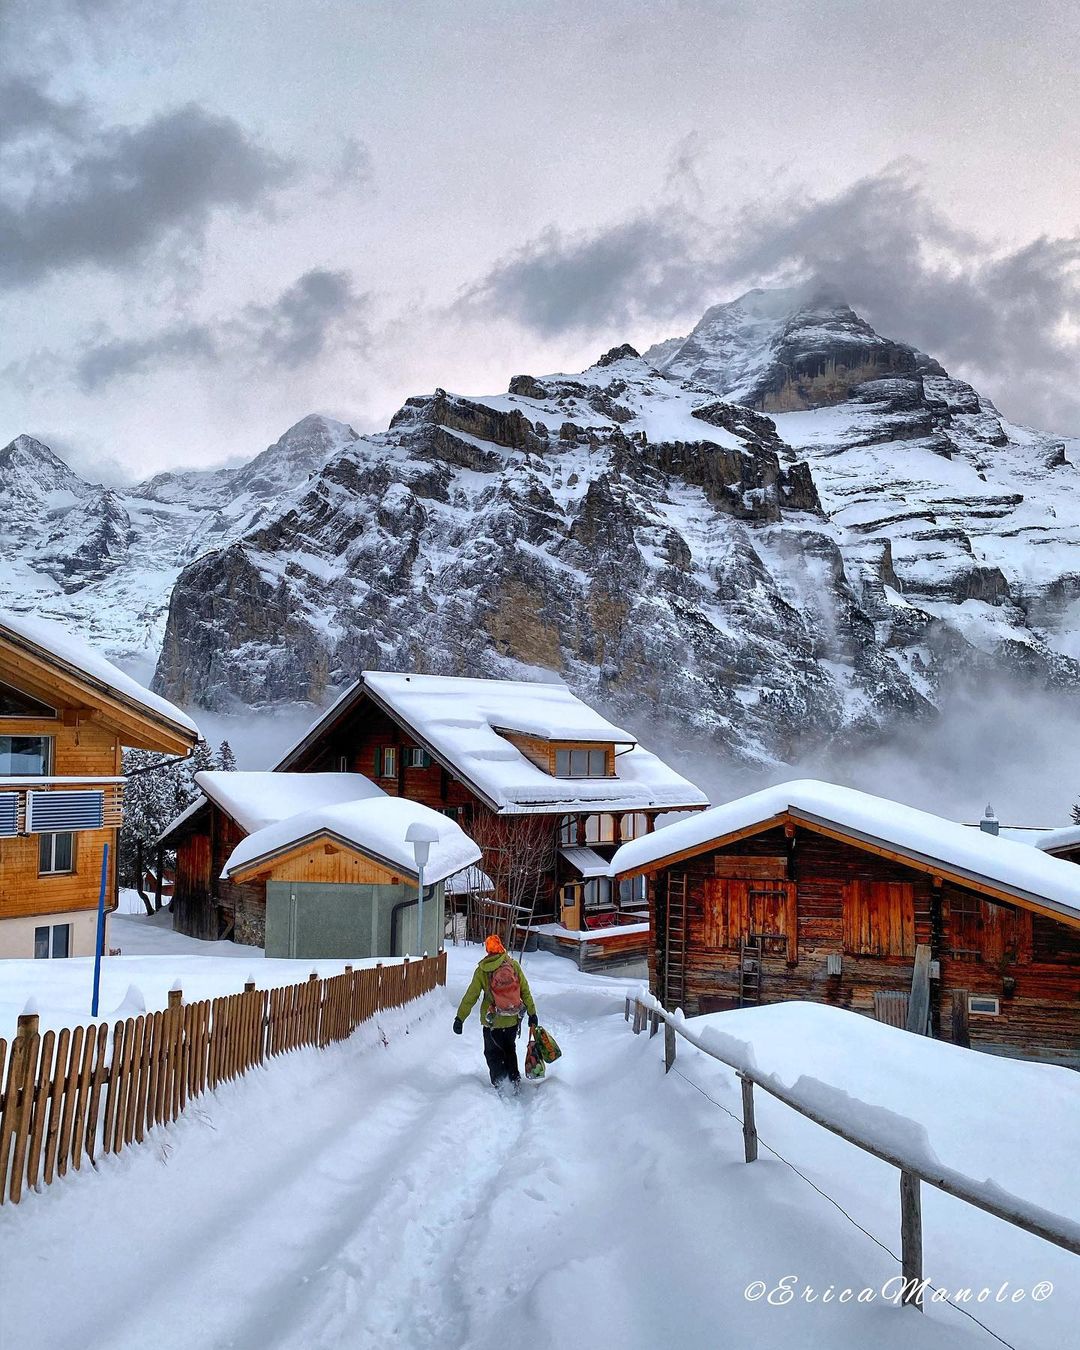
[(815, 897), (203, 905)]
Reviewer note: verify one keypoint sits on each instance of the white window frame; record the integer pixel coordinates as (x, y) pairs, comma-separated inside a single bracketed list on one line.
[(50, 752), (973, 999), (52, 870)]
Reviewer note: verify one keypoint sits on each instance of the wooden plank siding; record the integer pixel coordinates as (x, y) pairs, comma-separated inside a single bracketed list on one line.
[(837, 899), (82, 749)]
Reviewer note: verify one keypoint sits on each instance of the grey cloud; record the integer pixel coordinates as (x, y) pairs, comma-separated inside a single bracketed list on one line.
[(1004, 316), (123, 191), (321, 307), (26, 110), (587, 282)]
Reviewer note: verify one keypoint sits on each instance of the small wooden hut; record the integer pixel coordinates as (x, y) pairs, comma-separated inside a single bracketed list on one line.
[(810, 891)]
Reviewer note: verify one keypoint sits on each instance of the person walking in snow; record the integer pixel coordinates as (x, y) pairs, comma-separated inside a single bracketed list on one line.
[(506, 1000)]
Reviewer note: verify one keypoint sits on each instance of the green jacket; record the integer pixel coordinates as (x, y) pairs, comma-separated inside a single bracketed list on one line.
[(481, 984)]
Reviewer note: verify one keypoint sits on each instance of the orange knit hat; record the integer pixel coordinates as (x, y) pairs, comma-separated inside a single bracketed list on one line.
[(493, 945)]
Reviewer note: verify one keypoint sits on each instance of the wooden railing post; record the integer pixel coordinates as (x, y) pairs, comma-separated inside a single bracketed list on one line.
[(911, 1238), (21, 1081), (749, 1126), (669, 1046), (654, 1023), (626, 1014)]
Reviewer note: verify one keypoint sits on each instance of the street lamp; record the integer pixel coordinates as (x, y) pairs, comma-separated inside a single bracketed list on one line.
[(421, 837)]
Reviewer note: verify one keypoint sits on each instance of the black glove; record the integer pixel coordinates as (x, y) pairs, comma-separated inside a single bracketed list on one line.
[(457, 1026), (533, 1020)]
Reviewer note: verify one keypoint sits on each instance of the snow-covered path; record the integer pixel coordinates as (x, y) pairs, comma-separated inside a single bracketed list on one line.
[(379, 1195)]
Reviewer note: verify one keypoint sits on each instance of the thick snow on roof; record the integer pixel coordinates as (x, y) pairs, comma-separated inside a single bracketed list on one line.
[(376, 826), (54, 641), (1067, 837), (257, 799), (586, 861), (1015, 867), (458, 717)]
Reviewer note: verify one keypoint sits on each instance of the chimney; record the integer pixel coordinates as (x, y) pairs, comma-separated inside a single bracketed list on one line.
[(989, 823)]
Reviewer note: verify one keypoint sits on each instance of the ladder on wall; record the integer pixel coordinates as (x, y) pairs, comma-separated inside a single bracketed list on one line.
[(675, 926), (750, 952)]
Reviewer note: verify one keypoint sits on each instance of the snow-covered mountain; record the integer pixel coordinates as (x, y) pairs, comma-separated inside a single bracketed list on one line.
[(106, 560), (780, 529)]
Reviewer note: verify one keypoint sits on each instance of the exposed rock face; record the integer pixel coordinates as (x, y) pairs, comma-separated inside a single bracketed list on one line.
[(106, 561), (768, 579), (651, 541)]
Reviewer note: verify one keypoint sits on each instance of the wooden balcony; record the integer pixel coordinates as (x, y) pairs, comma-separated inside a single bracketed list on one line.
[(39, 806)]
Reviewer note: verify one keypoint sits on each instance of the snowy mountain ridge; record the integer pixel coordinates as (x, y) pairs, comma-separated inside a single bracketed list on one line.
[(779, 529)]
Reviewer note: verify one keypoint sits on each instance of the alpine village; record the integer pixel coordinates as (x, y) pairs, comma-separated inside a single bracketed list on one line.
[(588, 866)]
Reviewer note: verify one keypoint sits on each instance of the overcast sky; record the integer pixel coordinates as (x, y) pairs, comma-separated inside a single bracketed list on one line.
[(218, 217)]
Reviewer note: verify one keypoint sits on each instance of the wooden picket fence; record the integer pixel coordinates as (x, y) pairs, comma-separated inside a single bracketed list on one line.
[(74, 1095)]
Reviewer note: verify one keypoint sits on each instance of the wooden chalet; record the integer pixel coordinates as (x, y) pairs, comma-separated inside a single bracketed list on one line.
[(810, 891), (546, 786), (65, 716)]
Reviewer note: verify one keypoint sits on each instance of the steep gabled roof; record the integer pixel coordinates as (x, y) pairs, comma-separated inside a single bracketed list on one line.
[(255, 799), (1010, 871), (375, 827), (459, 722), (39, 651)]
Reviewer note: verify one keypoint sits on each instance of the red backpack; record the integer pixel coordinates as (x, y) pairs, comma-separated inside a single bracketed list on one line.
[(506, 990)]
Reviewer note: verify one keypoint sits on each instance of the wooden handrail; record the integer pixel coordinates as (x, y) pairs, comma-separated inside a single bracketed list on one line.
[(1043, 1223)]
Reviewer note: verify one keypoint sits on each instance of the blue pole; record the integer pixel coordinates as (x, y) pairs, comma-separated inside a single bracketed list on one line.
[(100, 930)]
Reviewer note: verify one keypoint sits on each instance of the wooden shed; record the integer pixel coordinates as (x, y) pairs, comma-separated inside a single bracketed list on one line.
[(816, 892)]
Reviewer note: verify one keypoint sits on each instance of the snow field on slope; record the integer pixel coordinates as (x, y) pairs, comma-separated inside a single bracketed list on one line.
[(376, 1195)]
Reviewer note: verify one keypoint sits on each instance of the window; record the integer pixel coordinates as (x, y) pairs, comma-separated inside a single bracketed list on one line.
[(55, 941), (599, 829), (386, 761), (632, 893), (597, 893), (25, 756), (633, 826), (580, 763), (14, 703), (568, 830), (454, 812), (415, 758), (56, 853), (985, 1005)]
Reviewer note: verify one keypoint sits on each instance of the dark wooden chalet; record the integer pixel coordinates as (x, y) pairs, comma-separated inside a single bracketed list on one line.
[(809, 891), (546, 786)]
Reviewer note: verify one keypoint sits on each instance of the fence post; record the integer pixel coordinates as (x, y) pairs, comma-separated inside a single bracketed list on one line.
[(654, 1023), (911, 1238), (176, 996), (749, 1127), (639, 1018), (249, 986), (22, 1080), (669, 1046), (626, 1014)]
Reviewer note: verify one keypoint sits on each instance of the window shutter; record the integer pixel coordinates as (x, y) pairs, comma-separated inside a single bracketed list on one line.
[(9, 813), (378, 761), (59, 812), (425, 760)]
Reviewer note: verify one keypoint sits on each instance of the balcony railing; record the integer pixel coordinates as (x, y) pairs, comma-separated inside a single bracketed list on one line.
[(52, 805)]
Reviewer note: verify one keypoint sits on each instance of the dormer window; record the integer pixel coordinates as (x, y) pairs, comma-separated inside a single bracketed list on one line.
[(581, 763)]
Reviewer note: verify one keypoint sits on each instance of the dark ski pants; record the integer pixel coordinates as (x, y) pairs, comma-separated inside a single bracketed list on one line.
[(500, 1051)]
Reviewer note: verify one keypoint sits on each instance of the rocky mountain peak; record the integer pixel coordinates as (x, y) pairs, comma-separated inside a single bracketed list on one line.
[(785, 350), (29, 466)]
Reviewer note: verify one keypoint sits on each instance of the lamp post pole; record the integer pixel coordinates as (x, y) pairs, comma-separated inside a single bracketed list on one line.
[(421, 836)]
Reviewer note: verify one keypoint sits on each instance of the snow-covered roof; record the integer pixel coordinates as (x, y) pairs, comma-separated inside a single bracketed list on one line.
[(1018, 869), (257, 799), (457, 718), (375, 826), (1068, 836), (60, 647)]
